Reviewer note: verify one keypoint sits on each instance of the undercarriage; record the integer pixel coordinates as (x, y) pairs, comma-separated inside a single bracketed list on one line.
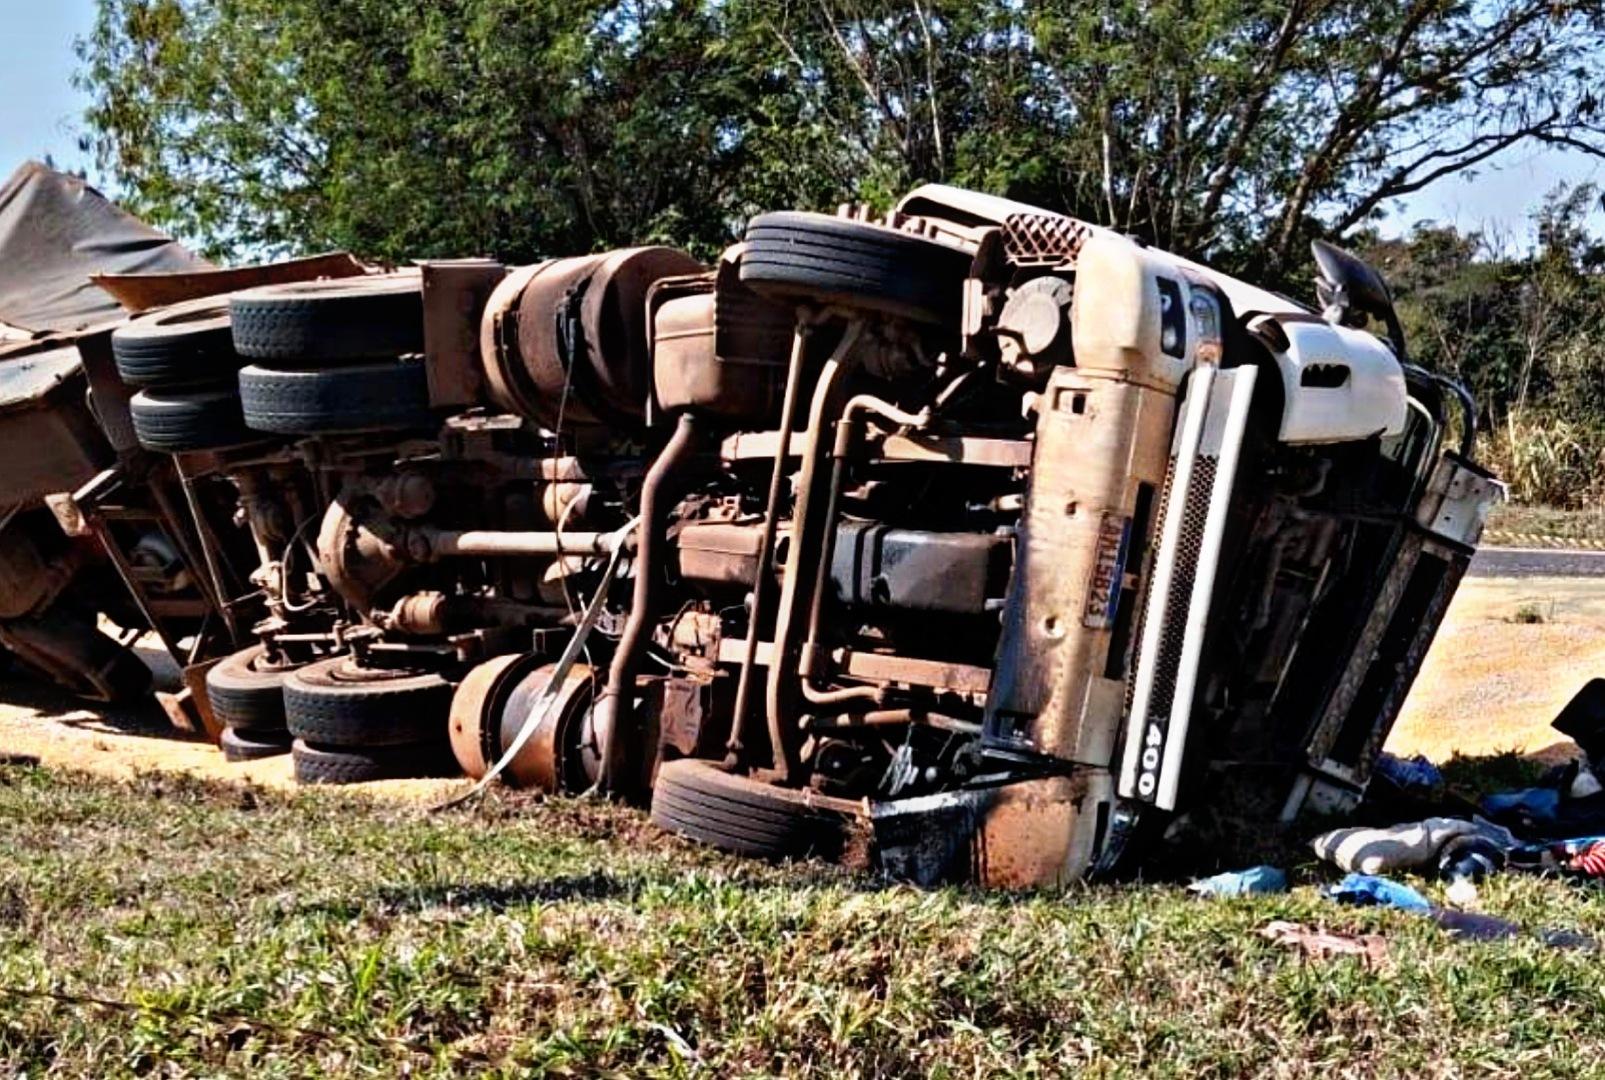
[(975, 530)]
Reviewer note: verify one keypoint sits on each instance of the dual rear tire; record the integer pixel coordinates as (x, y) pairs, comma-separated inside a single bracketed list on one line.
[(353, 724), (341, 722), (333, 357), (246, 696)]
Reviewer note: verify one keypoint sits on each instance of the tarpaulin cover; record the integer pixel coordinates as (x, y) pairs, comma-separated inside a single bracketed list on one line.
[(56, 230)]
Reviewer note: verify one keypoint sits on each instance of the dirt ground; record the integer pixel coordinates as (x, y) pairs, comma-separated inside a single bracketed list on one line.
[(1490, 684), (41, 722)]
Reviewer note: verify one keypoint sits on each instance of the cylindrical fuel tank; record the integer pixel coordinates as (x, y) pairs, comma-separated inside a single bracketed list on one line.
[(566, 342)]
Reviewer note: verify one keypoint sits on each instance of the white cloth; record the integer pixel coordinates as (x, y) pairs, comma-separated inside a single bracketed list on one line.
[(1398, 847)]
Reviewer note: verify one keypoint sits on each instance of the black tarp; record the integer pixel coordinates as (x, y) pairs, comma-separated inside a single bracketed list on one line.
[(56, 230)]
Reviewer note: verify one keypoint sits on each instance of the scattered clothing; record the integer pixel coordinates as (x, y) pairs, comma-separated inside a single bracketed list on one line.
[(1553, 856), (1256, 880), (1368, 889), (1590, 860), (1462, 893), (1412, 772), (1524, 806), (1399, 847), (1372, 949), (1547, 813), (1470, 858), (1574, 780), (1568, 939), (1371, 890), (1474, 926)]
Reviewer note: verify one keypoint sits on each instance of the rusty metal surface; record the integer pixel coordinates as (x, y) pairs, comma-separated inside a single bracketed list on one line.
[(1034, 834), (194, 677), (881, 667), (958, 450), (108, 392), (1100, 441), (455, 294), (912, 671), (718, 347), (471, 717), (53, 442), (29, 579), (566, 342), (685, 715), (142, 292), (560, 757), (759, 445)]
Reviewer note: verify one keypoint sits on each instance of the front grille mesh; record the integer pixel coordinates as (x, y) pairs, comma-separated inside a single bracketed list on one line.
[(1043, 239), (1178, 600), (1157, 530)]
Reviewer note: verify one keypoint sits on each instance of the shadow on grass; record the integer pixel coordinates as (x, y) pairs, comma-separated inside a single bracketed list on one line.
[(497, 897), (1505, 771)]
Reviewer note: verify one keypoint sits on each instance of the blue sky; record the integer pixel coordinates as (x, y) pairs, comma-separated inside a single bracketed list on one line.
[(40, 113), (39, 110)]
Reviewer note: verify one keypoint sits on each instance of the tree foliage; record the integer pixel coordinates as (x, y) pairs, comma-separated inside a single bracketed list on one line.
[(1522, 324), (1231, 129)]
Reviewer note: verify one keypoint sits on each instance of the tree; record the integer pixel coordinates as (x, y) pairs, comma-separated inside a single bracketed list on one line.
[(405, 128), (1525, 330), (1206, 126), (1226, 129)]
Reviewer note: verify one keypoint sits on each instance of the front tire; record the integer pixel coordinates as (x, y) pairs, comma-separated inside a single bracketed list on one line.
[(747, 817)]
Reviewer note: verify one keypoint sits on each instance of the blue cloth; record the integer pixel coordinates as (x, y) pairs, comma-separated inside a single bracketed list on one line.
[(1255, 880), (1536, 804), (1369, 889), (1408, 772)]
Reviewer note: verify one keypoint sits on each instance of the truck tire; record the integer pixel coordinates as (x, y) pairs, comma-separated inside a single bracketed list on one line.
[(187, 344), (343, 319), (343, 765), (252, 745), (391, 395), (738, 814), (852, 264), (244, 698), (178, 421), (337, 703)]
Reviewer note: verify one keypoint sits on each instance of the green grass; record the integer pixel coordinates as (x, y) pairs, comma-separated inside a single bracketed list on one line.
[(167, 927)]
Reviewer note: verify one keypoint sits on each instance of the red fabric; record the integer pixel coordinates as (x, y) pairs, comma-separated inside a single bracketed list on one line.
[(1591, 860)]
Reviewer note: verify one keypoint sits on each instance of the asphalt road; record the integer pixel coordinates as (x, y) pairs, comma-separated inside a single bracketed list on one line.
[(1536, 562)]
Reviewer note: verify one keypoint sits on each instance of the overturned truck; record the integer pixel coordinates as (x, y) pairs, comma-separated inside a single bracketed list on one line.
[(1000, 538), (1030, 543)]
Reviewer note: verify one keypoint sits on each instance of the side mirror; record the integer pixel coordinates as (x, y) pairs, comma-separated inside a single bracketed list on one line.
[(1349, 289)]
